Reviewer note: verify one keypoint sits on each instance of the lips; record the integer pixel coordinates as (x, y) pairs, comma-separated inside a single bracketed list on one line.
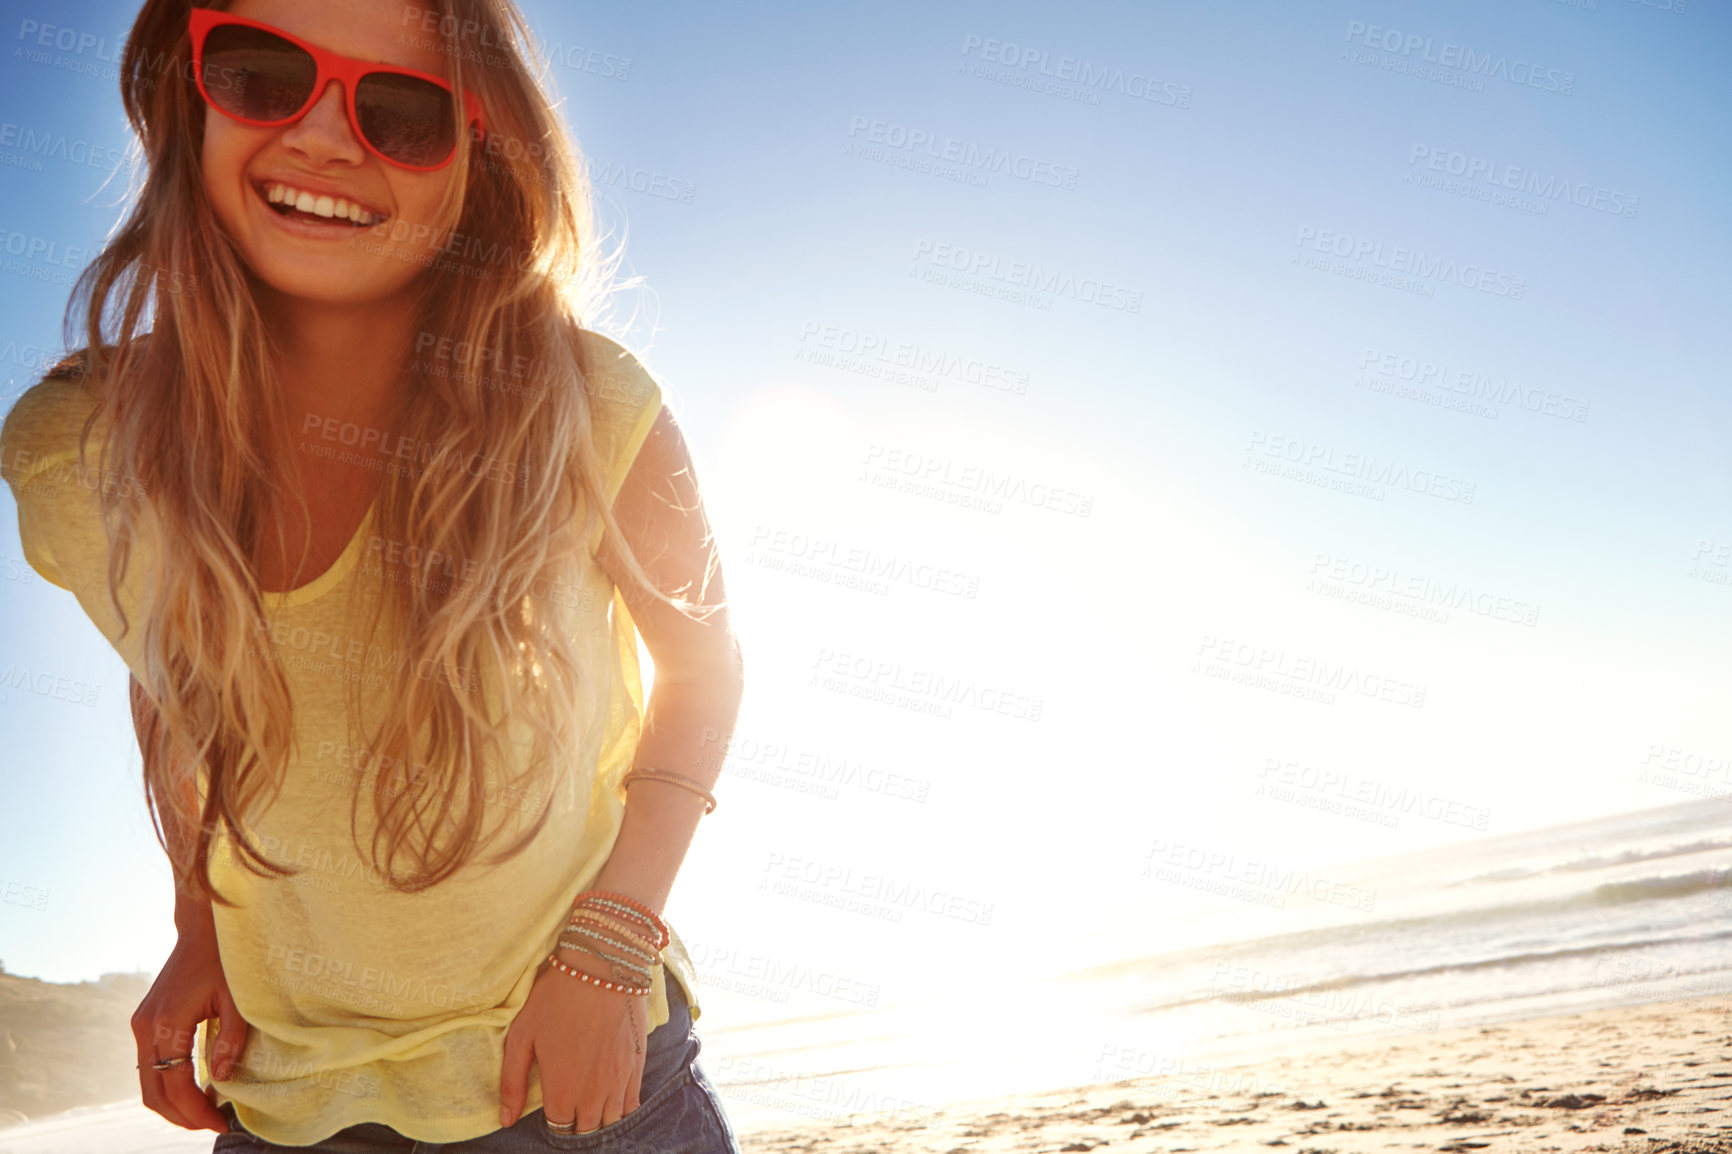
[(287, 200)]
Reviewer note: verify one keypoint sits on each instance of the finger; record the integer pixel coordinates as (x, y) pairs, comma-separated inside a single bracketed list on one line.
[(182, 1089), (180, 1084), (614, 1108), (177, 1087), (592, 1109), (150, 1088), (560, 1090), (231, 1040), (634, 1086), (612, 1096), (514, 1076)]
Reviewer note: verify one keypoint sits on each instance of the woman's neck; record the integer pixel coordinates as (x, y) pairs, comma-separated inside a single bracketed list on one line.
[(342, 362)]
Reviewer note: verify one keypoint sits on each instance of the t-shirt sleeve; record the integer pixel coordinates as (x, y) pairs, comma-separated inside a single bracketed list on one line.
[(35, 543), (38, 453), (624, 403)]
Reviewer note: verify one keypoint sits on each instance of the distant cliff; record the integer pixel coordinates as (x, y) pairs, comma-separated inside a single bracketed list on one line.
[(70, 1045)]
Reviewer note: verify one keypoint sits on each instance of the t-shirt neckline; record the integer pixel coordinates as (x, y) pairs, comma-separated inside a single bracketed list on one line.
[(327, 580)]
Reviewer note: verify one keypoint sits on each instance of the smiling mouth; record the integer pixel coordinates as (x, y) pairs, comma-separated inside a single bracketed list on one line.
[(288, 201)]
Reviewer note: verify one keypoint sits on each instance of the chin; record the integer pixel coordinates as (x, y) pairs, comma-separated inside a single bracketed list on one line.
[(334, 278), (318, 262)]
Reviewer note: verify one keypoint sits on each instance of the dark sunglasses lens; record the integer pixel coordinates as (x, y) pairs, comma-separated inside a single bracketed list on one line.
[(406, 118), (255, 74)]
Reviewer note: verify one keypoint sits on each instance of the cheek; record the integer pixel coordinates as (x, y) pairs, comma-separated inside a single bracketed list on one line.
[(222, 162), (419, 194)]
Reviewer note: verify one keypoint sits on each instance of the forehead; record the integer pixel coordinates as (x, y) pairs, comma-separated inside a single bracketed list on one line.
[(378, 31)]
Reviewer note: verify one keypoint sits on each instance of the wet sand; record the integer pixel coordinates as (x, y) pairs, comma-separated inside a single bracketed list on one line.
[(1655, 1079)]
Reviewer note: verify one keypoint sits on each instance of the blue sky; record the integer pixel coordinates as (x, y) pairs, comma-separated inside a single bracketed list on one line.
[(1408, 304)]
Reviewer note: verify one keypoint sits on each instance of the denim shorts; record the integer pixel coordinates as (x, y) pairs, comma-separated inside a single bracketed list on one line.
[(679, 1113)]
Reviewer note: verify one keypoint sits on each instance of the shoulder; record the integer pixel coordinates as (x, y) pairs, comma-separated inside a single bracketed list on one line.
[(43, 428), (619, 384), (61, 535), (625, 402)]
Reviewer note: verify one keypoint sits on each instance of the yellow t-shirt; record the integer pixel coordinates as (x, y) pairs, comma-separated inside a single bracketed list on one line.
[(367, 1004)]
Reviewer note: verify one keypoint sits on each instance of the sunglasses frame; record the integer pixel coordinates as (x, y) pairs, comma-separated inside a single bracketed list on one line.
[(347, 70)]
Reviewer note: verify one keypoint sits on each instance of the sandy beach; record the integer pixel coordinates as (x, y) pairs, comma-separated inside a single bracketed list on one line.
[(1655, 1078)]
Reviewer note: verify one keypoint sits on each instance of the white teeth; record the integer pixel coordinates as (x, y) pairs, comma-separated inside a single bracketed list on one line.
[(332, 208)]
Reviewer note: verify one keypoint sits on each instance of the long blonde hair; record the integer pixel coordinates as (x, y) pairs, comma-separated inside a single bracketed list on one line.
[(188, 405)]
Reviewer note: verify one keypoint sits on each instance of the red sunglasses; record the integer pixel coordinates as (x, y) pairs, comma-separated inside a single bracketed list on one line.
[(261, 75)]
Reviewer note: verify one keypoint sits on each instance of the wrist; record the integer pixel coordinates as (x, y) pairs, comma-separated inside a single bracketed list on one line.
[(632, 930), (582, 959), (594, 966), (193, 917), (602, 954)]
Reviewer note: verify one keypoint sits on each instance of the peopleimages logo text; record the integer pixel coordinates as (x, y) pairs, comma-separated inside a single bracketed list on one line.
[(1023, 274), (1490, 65), (73, 40), (1471, 168), (969, 154), (1412, 262), (1077, 71)]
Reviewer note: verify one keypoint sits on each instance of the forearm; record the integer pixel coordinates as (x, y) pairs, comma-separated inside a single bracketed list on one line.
[(687, 728), (192, 913)]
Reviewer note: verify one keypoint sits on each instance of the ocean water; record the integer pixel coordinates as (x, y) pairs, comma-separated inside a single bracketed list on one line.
[(1629, 909), (1623, 910)]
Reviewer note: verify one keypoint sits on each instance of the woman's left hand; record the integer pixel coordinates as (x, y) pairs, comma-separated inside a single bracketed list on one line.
[(582, 1036)]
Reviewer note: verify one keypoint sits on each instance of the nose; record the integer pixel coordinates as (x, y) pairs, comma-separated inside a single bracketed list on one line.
[(324, 135)]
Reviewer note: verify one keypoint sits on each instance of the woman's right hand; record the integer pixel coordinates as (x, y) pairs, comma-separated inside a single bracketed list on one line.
[(190, 989)]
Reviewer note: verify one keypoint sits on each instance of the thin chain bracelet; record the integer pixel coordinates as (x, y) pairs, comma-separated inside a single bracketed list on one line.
[(637, 1046), (641, 948), (645, 968), (643, 972), (613, 927), (644, 975)]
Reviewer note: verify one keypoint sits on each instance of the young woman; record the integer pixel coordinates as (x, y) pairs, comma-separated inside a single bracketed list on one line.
[(374, 520)]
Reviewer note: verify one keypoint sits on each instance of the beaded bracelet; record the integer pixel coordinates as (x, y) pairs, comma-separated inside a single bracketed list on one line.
[(612, 919), (638, 947), (602, 943), (625, 943), (602, 982), (636, 927), (585, 916), (634, 955), (616, 920), (606, 902)]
